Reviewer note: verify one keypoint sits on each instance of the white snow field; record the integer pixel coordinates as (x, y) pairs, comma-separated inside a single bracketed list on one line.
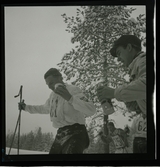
[(14, 151)]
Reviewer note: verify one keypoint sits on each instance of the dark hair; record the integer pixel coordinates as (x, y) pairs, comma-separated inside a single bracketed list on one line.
[(111, 124), (123, 41), (53, 72), (134, 46)]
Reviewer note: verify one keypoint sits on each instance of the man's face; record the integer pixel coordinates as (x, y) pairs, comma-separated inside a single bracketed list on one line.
[(124, 55), (51, 81), (110, 128)]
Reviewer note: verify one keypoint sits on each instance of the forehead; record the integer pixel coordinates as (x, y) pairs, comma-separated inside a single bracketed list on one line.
[(50, 78)]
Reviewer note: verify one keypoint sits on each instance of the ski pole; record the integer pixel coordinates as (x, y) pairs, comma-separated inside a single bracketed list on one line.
[(18, 121)]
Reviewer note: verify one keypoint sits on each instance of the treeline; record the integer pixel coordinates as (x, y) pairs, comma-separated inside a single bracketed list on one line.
[(34, 140), (38, 141)]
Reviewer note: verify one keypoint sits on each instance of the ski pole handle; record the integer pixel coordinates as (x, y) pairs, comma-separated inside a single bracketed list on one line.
[(20, 92)]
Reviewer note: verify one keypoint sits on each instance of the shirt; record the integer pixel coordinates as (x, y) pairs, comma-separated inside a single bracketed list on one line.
[(136, 89), (62, 112), (139, 127)]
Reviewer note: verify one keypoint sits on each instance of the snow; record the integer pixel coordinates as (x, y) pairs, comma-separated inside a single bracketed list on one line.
[(14, 151)]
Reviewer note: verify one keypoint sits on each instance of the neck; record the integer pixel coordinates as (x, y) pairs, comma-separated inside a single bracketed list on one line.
[(137, 54)]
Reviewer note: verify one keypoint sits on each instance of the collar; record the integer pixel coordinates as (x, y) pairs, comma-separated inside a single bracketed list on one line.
[(131, 66)]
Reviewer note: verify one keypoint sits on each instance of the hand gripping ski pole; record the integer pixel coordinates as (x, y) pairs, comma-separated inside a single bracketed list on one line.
[(18, 121)]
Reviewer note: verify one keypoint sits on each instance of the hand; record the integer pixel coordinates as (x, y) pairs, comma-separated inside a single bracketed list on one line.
[(63, 92), (21, 105), (105, 93), (133, 106)]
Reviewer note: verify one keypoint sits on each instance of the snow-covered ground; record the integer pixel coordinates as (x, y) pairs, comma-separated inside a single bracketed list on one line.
[(14, 151)]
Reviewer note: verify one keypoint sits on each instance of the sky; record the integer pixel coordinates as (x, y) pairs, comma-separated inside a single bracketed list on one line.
[(35, 40)]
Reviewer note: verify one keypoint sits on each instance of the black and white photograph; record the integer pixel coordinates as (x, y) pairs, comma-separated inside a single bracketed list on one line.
[(75, 80)]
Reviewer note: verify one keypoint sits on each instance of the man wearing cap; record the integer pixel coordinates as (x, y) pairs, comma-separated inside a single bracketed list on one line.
[(68, 107), (128, 50)]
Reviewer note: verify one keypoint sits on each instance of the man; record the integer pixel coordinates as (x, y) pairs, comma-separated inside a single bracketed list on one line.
[(138, 131), (117, 136), (68, 108), (128, 50)]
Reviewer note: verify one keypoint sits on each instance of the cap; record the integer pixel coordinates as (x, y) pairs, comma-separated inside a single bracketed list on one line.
[(53, 72), (124, 40)]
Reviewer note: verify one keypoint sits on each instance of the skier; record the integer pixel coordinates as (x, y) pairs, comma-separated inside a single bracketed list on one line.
[(68, 107), (138, 132), (117, 136)]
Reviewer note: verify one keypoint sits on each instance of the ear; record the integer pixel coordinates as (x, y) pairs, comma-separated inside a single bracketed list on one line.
[(129, 47)]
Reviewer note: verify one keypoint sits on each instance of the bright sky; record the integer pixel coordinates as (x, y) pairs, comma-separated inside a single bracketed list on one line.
[(35, 40)]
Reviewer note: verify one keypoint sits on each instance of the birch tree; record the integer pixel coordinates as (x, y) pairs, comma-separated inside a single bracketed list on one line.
[(94, 29)]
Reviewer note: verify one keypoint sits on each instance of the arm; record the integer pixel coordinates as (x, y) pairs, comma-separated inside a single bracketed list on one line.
[(41, 109), (136, 90), (81, 103)]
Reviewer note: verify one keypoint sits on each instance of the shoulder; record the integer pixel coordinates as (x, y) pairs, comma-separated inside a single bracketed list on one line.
[(138, 65), (51, 94), (141, 60), (142, 57)]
